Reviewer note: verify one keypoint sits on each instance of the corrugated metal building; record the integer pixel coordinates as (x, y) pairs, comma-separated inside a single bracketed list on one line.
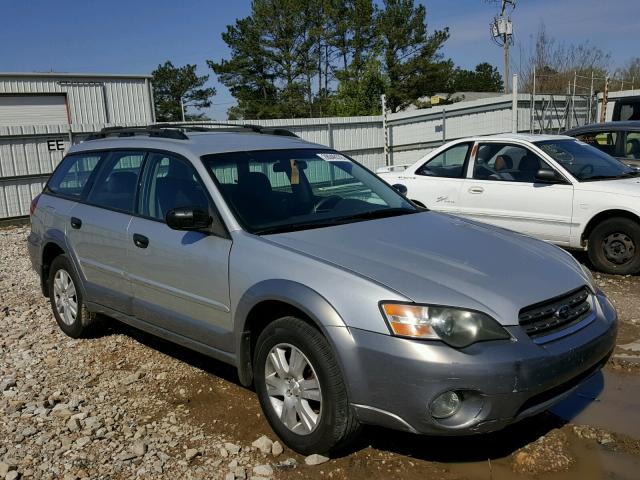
[(41, 114)]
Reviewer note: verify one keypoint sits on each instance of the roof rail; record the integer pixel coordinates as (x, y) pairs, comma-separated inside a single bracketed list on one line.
[(151, 131), (177, 131), (233, 127)]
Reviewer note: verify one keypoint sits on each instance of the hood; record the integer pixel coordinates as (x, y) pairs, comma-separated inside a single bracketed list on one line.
[(441, 259), (623, 186)]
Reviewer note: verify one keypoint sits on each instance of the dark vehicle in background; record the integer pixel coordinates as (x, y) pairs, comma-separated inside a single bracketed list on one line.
[(626, 108), (618, 139)]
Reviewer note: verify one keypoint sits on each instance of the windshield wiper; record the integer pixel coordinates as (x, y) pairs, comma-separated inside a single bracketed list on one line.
[(294, 227), (371, 214), (381, 213)]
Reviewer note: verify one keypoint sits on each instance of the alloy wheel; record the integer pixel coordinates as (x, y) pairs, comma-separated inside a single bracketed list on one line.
[(293, 388), (66, 299)]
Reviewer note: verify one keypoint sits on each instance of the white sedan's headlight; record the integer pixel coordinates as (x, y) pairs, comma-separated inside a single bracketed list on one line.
[(454, 326)]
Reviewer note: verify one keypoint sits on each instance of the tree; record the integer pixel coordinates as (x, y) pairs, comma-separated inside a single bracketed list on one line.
[(485, 78), (411, 59), (272, 59), (175, 88), (630, 73), (248, 74), (556, 64), (360, 95), (302, 58)]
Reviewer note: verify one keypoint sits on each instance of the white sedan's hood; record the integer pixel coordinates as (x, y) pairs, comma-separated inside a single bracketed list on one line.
[(625, 186)]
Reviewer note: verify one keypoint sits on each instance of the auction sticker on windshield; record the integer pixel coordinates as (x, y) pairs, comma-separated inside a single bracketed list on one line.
[(333, 157)]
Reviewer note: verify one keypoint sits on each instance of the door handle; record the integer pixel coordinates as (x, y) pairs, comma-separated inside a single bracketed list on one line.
[(76, 223), (140, 241), (476, 190)]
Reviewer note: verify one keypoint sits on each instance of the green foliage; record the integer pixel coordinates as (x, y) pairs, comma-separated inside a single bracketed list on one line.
[(305, 58), (485, 78), (360, 95), (411, 59), (173, 84)]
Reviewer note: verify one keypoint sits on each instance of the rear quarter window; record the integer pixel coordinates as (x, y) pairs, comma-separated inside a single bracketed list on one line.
[(72, 177)]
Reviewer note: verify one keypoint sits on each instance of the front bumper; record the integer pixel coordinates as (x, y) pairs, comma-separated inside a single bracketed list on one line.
[(392, 381)]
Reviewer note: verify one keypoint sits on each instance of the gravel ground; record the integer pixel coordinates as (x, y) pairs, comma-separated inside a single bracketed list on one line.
[(128, 405)]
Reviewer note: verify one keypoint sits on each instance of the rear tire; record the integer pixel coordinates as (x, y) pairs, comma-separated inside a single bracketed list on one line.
[(304, 398), (614, 246), (67, 303)]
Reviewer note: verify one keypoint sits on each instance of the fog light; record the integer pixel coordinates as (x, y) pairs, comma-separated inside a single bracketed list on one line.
[(446, 405)]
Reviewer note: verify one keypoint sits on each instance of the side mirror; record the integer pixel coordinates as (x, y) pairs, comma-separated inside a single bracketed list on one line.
[(548, 176), (188, 218), (400, 188)]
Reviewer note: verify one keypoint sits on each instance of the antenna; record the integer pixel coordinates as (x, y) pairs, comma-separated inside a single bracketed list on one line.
[(501, 30)]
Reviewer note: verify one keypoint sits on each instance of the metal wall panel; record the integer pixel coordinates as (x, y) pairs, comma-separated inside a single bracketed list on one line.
[(16, 196)]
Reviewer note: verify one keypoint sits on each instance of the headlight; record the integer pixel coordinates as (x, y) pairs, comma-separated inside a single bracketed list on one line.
[(454, 326)]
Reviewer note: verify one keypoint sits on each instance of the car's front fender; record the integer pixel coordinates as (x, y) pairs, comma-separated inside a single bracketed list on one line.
[(299, 296)]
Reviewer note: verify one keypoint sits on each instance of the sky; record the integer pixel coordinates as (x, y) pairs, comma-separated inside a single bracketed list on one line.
[(134, 36)]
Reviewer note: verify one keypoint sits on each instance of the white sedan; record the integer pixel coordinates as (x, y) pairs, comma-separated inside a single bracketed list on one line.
[(552, 187)]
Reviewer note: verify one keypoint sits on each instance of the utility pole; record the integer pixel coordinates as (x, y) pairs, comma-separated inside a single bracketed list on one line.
[(532, 107), (514, 105), (502, 33), (590, 99), (182, 108), (605, 100), (383, 100)]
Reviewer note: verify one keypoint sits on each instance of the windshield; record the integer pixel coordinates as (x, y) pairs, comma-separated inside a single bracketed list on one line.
[(284, 190), (584, 162)]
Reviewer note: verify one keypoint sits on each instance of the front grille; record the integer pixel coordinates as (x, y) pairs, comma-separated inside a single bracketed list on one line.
[(560, 312)]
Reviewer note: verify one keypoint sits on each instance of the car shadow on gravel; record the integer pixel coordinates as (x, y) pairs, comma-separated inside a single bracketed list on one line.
[(183, 354), (459, 449)]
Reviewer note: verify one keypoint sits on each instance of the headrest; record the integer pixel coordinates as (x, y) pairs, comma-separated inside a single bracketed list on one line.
[(121, 182)]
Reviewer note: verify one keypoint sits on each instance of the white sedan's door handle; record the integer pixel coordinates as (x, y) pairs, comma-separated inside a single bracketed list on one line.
[(476, 190)]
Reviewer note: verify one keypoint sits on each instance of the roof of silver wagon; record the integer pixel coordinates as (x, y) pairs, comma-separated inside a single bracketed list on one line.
[(201, 143)]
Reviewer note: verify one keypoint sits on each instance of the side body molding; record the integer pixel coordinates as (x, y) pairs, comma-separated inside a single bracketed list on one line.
[(305, 299)]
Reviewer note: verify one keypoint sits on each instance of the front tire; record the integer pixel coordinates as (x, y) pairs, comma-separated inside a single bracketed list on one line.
[(614, 246), (67, 302), (300, 387)]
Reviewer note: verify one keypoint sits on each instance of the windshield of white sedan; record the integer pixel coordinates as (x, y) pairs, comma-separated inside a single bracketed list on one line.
[(584, 162), (284, 190)]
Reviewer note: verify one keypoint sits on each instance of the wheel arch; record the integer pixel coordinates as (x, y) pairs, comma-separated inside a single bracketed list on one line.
[(50, 251), (605, 215), (272, 299)]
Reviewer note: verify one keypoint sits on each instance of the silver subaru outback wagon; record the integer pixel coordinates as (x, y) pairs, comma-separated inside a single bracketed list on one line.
[(339, 300)]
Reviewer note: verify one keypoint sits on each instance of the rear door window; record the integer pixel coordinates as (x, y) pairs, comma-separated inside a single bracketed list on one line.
[(448, 164), (116, 183), (73, 177)]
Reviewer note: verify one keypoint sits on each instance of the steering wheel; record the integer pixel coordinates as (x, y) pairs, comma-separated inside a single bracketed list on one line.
[(588, 168), (326, 204)]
